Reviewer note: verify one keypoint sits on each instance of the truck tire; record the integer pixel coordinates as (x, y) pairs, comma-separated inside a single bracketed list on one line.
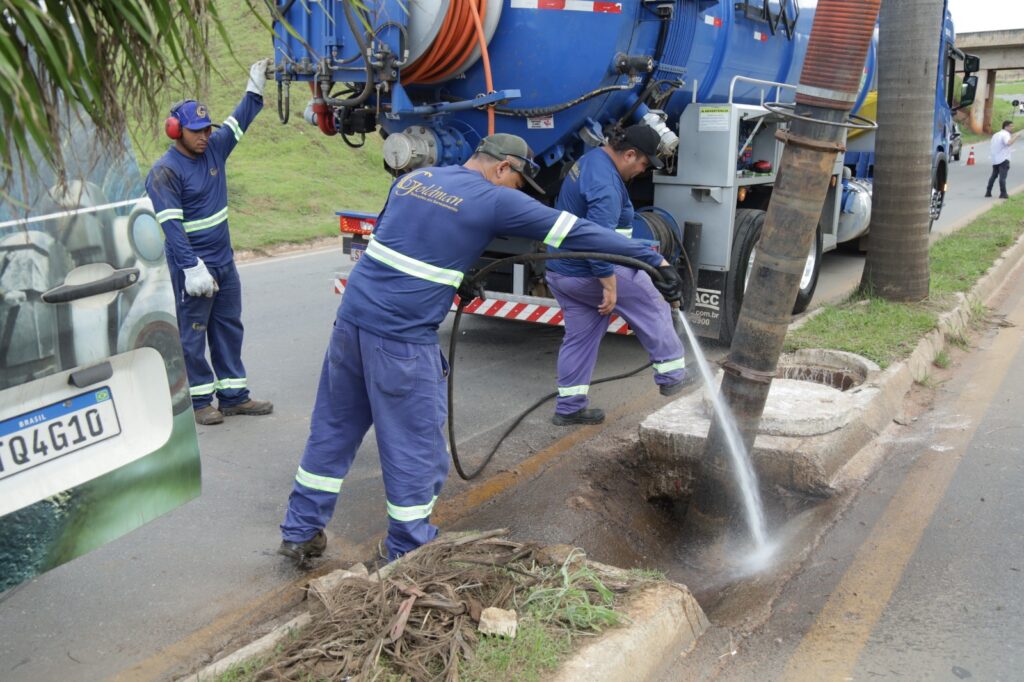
[(749, 224), (938, 198), (809, 280)]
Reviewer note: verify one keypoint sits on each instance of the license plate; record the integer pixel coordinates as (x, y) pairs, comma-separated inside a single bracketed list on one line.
[(356, 250), (43, 435)]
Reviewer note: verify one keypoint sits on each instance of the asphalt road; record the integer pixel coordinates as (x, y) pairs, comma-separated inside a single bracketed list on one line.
[(920, 579), (965, 200), (165, 596)]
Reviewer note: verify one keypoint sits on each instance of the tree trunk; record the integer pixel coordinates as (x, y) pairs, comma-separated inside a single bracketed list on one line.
[(897, 261)]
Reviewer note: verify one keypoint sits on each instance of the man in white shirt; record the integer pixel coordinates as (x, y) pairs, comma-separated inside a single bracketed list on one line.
[(1001, 143)]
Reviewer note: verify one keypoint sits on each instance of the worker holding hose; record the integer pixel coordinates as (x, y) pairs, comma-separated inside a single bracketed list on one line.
[(383, 365), (588, 291)]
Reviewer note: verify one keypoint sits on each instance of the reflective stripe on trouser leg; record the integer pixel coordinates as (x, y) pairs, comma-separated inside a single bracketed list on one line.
[(650, 318), (584, 329), (341, 417), (407, 387), (225, 335), (193, 318)]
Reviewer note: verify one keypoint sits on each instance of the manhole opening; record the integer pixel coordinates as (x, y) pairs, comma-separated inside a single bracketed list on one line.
[(842, 379)]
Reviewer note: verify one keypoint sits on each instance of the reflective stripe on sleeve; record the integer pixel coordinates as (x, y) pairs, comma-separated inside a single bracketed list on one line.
[(413, 513), (205, 223), (560, 229), (324, 483), (625, 231), (202, 389), (230, 383), (170, 214), (411, 266), (232, 123), (566, 391), (669, 365)]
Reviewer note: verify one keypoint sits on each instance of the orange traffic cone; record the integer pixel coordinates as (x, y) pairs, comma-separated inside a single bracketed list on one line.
[(970, 157)]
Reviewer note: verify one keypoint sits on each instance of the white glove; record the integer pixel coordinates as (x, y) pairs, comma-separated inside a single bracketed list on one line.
[(14, 297), (258, 76), (199, 281)]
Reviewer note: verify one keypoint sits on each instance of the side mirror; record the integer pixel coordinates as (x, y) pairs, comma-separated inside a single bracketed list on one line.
[(972, 64), (967, 91)]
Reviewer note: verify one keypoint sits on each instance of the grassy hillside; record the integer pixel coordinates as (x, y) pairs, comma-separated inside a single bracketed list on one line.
[(284, 181)]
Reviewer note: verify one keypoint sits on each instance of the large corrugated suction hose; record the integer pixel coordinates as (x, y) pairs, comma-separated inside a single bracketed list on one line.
[(840, 39)]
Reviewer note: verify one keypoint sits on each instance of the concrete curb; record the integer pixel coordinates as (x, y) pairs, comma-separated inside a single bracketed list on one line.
[(663, 622), (674, 436)]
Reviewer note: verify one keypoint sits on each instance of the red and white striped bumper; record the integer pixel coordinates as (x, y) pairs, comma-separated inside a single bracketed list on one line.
[(511, 307)]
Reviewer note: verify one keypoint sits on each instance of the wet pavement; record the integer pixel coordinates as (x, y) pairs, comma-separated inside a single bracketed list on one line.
[(921, 576)]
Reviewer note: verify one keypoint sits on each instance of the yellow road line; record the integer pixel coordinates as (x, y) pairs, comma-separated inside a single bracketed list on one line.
[(457, 506), (830, 649)]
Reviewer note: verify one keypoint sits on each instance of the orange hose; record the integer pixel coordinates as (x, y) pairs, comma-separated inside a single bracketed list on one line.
[(487, 62), (452, 46)]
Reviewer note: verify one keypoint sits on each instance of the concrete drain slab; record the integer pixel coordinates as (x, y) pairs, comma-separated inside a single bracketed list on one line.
[(823, 407)]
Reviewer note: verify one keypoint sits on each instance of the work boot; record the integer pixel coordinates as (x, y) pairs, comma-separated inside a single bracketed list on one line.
[(672, 389), (988, 195), (250, 407), (301, 552), (1004, 196), (585, 416), (209, 415)]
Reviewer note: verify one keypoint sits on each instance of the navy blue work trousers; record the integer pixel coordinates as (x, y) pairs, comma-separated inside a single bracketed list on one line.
[(216, 321), (401, 389)]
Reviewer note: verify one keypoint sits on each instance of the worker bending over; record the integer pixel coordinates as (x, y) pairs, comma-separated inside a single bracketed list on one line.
[(383, 365), (589, 290), (188, 187)]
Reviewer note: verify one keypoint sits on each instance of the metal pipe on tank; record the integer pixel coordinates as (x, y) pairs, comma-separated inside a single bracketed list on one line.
[(829, 84)]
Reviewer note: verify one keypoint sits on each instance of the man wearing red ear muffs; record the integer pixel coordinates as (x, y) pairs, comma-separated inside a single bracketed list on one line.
[(188, 187)]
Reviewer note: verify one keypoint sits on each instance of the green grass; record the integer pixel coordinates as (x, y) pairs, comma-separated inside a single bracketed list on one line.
[(284, 181), (551, 619), (535, 650), (1010, 88), (1001, 111), (887, 332), (942, 360)]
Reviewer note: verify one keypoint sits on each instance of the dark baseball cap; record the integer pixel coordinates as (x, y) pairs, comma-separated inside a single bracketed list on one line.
[(646, 141), (502, 145), (193, 115)]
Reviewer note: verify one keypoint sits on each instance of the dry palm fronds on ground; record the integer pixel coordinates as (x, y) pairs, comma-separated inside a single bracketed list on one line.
[(417, 618)]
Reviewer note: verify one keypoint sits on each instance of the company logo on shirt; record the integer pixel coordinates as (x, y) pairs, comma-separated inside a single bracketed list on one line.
[(213, 171), (414, 185)]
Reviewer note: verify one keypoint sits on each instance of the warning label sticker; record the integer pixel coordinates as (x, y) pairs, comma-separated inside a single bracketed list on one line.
[(540, 122), (713, 118)]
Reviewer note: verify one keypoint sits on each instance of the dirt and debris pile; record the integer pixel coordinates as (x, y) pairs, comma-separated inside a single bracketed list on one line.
[(418, 618)]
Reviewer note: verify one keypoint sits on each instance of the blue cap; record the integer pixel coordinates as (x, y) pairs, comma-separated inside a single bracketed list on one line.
[(193, 115)]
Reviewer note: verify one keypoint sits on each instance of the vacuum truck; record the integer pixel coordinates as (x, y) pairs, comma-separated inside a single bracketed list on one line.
[(713, 78)]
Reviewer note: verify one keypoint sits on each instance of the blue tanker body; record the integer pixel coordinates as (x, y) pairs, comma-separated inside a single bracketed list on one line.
[(559, 73), (553, 52)]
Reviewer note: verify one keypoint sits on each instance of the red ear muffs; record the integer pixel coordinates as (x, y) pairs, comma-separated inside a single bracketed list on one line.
[(172, 126)]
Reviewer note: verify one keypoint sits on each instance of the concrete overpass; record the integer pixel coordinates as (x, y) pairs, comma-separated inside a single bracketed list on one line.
[(998, 51)]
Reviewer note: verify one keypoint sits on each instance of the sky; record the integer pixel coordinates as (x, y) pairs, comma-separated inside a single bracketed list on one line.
[(986, 15)]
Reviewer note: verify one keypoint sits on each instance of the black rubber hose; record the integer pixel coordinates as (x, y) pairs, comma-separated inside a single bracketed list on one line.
[(479, 275), (368, 86)]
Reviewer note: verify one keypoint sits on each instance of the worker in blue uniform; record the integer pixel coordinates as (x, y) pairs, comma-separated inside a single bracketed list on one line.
[(383, 365), (589, 291), (188, 188)]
